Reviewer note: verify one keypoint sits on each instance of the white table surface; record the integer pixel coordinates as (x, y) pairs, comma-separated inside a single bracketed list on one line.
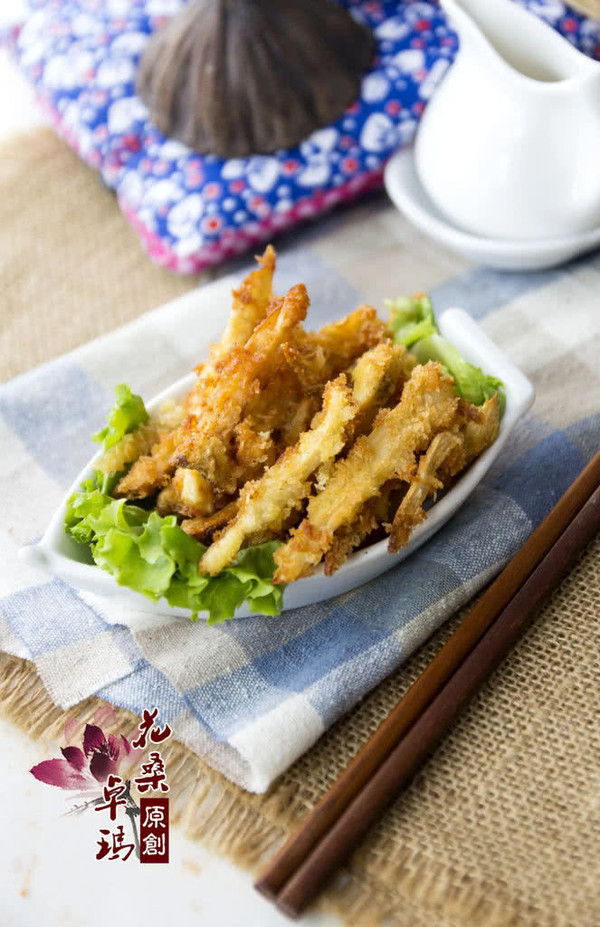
[(49, 876)]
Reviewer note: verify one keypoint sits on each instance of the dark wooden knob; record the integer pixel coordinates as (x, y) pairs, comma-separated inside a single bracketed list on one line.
[(241, 77)]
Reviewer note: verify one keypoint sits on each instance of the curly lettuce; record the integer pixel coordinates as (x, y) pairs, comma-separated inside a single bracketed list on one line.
[(413, 324), (411, 318), (152, 554), (126, 415)]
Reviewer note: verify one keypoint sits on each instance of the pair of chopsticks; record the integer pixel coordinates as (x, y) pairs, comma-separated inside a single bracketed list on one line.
[(391, 757)]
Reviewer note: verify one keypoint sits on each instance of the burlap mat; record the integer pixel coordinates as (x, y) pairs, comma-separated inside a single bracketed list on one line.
[(91, 274), (502, 827), (589, 7)]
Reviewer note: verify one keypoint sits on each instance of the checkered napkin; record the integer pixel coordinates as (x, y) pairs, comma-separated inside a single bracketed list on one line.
[(253, 694)]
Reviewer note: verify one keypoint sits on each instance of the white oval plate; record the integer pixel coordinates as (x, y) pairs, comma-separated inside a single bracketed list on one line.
[(61, 556), (407, 194)]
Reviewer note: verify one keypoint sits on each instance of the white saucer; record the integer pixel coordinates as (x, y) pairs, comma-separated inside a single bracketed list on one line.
[(407, 194)]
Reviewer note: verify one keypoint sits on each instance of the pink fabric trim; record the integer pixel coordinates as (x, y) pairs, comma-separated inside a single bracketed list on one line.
[(232, 243)]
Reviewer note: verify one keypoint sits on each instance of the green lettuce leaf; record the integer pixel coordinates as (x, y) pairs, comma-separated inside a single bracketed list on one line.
[(411, 318), (127, 413), (413, 324), (470, 381), (154, 556)]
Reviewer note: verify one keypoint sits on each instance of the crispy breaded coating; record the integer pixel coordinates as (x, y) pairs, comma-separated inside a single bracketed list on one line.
[(376, 376), (425, 483), (346, 539), (203, 528), (150, 472), (428, 405), (280, 407), (251, 303), (254, 450), (481, 427), (267, 503), (239, 377), (478, 427), (170, 415), (448, 454), (317, 357), (347, 339), (129, 448), (188, 493), (202, 441)]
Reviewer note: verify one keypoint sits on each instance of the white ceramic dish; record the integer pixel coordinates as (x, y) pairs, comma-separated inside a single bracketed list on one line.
[(59, 555), (407, 194)]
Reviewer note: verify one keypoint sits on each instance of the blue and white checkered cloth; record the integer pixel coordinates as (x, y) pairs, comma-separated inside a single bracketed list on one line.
[(251, 695)]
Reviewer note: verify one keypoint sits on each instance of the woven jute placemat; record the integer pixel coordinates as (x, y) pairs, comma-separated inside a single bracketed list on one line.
[(70, 267), (589, 7), (502, 827)]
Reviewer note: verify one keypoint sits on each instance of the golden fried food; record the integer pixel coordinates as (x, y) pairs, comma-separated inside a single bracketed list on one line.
[(425, 483), (250, 306), (129, 448), (254, 450), (343, 341), (150, 472), (202, 441), (188, 493), (448, 454), (267, 503), (240, 375), (481, 427), (203, 528), (251, 303), (372, 515), (320, 439), (428, 405), (376, 377), (316, 357)]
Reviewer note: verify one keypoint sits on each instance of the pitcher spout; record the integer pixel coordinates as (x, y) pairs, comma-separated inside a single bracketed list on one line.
[(517, 118), (518, 41)]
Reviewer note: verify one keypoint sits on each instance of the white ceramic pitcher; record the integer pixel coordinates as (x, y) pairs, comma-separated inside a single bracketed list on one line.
[(509, 146)]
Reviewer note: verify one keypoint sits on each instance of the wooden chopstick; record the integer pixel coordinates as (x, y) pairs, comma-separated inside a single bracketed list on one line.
[(413, 749), (370, 757)]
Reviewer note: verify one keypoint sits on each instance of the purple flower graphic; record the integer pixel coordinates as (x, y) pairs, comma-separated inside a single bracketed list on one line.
[(82, 769), (87, 768)]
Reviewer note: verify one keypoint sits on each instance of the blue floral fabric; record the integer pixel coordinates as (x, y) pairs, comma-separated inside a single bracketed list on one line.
[(193, 210)]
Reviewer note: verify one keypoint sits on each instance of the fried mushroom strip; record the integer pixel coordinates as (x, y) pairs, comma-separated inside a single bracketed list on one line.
[(267, 503), (428, 405), (376, 376), (130, 447), (150, 471), (188, 493), (251, 303), (375, 379), (203, 528), (317, 357), (481, 427), (373, 514), (239, 378), (426, 483), (447, 455), (280, 407), (201, 442)]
